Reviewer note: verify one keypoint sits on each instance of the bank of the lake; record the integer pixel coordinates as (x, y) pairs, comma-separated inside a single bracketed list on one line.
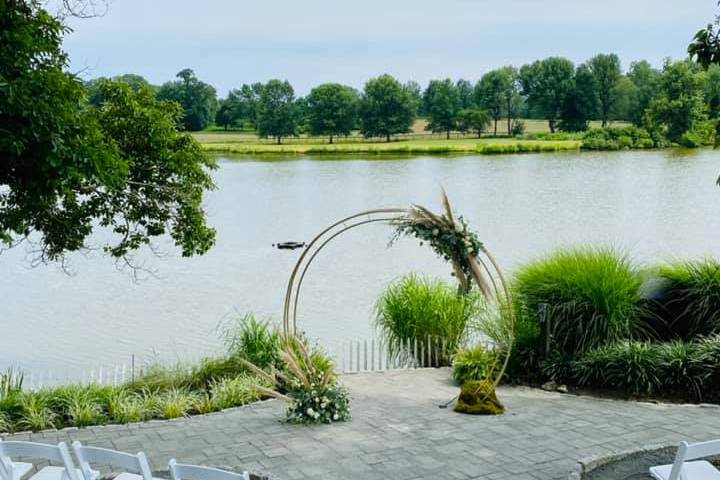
[(427, 146)]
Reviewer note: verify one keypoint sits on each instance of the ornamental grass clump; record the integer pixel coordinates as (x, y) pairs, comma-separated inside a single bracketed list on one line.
[(415, 309), (476, 363), (591, 297), (688, 300), (234, 392), (256, 341), (308, 382)]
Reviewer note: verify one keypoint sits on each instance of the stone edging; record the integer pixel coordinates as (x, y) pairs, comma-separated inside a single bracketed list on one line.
[(588, 464)]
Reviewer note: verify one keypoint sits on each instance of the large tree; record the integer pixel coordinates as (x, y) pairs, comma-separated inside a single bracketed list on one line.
[(276, 110), (680, 105), (511, 95), (491, 93), (465, 91), (646, 80), (581, 102), (547, 83), (332, 110), (474, 120), (136, 83), (386, 107), (606, 73), (68, 168), (197, 99), (442, 102)]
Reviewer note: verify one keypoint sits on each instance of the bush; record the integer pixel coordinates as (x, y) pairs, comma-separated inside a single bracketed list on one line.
[(682, 369), (416, 309), (592, 298), (474, 364), (127, 407), (632, 366), (688, 299), (255, 341), (172, 403), (617, 138), (233, 392), (36, 411), (702, 133), (158, 377), (518, 128), (677, 369)]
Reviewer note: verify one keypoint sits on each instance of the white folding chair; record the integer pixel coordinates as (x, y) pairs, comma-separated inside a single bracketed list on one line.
[(136, 467), (683, 469), (179, 471), (12, 470), (18, 469)]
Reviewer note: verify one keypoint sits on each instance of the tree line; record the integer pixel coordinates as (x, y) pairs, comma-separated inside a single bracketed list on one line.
[(681, 98)]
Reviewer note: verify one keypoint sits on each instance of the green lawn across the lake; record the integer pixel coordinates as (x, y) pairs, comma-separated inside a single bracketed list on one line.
[(246, 144)]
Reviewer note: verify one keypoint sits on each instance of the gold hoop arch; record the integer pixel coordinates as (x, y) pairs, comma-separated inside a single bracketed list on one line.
[(500, 291)]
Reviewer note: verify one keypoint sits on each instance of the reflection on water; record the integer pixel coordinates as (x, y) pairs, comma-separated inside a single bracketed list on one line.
[(655, 205)]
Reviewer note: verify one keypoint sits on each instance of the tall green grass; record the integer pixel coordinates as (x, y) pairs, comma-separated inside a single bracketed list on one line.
[(253, 340), (417, 308), (592, 297), (688, 301)]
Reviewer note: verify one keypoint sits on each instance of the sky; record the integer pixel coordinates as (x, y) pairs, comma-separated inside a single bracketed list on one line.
[(231, 42)]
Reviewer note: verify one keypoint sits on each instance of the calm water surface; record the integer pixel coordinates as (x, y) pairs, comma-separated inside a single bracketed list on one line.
[(655, 205)]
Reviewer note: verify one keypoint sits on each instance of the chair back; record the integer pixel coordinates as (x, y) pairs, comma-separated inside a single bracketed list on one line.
[(130, 463), (692, 451), (54, 453), (179, 471)]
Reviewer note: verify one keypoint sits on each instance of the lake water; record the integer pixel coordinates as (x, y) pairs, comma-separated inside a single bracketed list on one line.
[(654, 205)]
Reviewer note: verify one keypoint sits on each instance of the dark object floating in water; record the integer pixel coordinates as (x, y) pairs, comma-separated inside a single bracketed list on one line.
[(289, 245)]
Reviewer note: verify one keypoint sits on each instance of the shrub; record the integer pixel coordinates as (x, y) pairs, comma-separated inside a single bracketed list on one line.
[(255, 341), (127, 407), (702, 133), (631, 366), (708, 351), (688, 300), (617, 138), (172, 403), (682, 368), (210, 370), (518, 128), (36, 412), (415, 308), (78, 405), (233, 392), (6, 423), (159, 377), (474, 364), (592, 298)]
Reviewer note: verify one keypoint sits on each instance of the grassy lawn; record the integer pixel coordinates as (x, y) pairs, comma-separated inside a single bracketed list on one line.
[(460, 145), (418, 141)]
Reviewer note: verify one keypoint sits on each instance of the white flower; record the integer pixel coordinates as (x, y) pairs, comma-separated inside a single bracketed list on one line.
[(435, 232), (459, 227), (336, 416), (310, 412)]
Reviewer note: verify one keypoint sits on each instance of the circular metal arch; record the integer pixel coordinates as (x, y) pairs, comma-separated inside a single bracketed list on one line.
[(488, 264)]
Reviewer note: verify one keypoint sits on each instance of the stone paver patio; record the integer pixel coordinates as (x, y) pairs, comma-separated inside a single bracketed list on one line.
[(398, 432)]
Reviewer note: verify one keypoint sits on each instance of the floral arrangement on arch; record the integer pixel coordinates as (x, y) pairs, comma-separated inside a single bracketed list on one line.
[(451, 239)]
